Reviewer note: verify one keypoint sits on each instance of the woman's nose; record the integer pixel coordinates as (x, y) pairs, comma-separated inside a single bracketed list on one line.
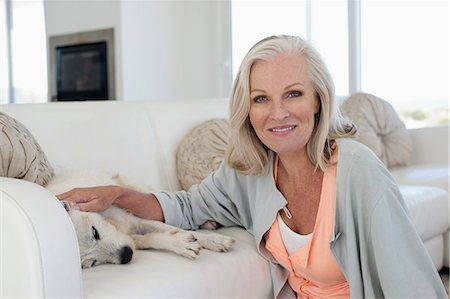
[(279, 111)]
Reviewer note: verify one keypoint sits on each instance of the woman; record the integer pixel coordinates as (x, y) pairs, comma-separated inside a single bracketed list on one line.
[(324, 211)]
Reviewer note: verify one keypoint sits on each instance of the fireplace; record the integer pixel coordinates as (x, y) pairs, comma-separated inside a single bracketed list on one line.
[(81, 66)]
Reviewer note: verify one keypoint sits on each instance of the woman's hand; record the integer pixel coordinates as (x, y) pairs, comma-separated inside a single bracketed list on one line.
[(92, 199), (98, 199)]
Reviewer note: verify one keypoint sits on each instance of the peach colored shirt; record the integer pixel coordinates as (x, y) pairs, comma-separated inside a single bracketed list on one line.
[(314, 272)]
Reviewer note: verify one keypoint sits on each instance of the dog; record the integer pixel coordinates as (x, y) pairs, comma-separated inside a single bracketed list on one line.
[(112, 236)]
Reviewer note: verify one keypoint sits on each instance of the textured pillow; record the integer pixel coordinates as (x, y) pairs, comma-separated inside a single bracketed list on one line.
[(20, 155), (201, 151), (380, 128)]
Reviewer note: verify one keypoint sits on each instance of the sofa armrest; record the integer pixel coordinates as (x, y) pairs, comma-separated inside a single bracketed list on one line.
[(430, 145), (39, 255)]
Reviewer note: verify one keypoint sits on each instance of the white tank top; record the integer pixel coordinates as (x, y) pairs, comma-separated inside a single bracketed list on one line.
[(292, 240)]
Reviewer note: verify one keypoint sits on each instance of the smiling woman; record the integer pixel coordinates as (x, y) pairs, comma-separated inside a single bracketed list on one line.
[(285, 124), (274, 97)]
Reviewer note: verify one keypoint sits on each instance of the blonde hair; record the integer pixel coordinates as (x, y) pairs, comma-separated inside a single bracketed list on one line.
[(246, 153)]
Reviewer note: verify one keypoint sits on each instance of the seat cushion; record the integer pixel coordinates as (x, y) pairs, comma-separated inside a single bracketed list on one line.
[(428, 175), (157, 274), (428, 207)]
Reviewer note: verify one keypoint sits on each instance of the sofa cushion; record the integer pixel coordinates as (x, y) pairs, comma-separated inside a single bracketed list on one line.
[(428, 209), (380, 128), (21, 156), (201, 151), (158, 274), (428, 175)]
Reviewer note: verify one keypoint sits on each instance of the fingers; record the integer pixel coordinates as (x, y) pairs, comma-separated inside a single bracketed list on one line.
[(64, 195), (77, 195), (79, 199), (93, 205), (92, 199), (90, 206)]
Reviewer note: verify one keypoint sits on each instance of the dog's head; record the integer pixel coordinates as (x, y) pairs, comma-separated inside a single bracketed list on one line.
[(100, 242)]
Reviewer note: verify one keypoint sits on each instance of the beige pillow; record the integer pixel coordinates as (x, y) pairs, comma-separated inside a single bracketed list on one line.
[(20, 154), (380, 128), (201, 151)]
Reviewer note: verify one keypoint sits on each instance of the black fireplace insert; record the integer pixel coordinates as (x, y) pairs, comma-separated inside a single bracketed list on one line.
[(82, 72)]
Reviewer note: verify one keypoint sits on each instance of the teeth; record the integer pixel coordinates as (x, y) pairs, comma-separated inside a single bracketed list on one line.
[(282, 129)]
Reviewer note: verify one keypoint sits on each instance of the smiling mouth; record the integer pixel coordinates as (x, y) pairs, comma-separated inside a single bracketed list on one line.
[(283, 129)]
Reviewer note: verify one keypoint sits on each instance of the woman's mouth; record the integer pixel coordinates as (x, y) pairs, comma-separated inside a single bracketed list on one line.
[(282, 129)]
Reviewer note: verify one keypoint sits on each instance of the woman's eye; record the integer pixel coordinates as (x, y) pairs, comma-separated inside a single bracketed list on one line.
[(95, 233), (295, 94), (259, 99)]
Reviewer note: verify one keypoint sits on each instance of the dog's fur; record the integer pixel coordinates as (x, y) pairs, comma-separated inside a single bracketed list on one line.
[(112, 235)]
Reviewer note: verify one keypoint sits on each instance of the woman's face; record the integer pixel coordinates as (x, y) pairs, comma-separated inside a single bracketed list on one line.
[(283, 103)]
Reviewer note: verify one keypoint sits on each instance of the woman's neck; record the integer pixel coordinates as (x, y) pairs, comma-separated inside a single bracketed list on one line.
[(295, 165)]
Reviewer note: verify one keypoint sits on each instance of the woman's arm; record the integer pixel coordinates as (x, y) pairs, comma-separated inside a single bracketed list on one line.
[(219, 197), (97, 199), (400, 262)]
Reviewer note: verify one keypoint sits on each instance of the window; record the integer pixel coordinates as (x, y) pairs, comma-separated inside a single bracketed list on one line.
[(404, 57), (4, 73), (396, 50), (23, 64), (254, 20), (330, 38)]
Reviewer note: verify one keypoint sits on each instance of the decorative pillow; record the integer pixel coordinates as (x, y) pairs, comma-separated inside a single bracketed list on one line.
[(379, 128), (20, 155), (202, 151)]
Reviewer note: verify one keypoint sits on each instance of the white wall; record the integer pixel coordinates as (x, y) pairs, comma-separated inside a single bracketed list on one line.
[(66, 16), (203, 34), (164, 49)]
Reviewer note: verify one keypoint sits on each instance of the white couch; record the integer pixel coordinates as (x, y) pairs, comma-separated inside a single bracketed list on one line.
[(39, 254)]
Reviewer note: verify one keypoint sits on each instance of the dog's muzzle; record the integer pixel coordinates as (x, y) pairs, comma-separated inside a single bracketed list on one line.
[(126, 253)]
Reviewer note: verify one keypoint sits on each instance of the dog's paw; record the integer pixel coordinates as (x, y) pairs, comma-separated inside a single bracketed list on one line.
[(185, 244), (175, 240), (210, 225), (214, 242)]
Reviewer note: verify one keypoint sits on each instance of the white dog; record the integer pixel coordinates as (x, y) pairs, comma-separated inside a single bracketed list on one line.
[(112, 235)]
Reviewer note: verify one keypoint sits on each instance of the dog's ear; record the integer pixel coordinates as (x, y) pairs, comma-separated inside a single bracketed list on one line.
[(66, 205)]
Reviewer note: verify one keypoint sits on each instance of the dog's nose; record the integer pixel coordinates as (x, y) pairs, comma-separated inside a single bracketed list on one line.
[(126, 253)]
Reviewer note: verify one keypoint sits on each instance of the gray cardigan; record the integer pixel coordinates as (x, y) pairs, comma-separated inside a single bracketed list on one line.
[(374, 242)]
